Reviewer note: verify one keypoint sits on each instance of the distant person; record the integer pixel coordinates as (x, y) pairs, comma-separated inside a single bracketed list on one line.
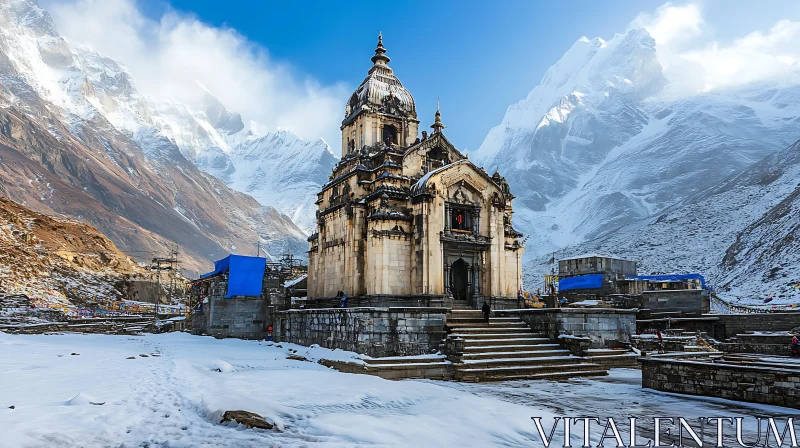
[(795, 347), (486, 309), (344, 300)]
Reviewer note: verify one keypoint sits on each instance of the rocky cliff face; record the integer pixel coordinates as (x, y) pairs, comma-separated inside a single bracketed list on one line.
[(79, 140), (50, 259)]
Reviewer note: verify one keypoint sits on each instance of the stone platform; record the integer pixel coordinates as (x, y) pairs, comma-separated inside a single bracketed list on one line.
[(768, 381)]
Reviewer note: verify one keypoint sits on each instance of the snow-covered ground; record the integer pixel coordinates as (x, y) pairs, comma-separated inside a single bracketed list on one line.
[(176, 399)]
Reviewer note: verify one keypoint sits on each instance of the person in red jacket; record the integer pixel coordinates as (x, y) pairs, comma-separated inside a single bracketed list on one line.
[(795, 347)]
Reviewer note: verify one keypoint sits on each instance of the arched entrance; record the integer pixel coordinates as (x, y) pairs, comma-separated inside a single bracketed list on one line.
[(459, 278)]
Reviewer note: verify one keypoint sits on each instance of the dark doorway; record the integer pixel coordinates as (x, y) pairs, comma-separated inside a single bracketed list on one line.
[(389, 134), (459, 276)]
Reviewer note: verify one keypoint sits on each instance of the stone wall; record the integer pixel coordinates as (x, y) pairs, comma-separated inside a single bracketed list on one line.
[(684, 300), (375, 332), (606, 327), (765, 344), (723, 326), (743, 323), (238, 317), (745, 383)]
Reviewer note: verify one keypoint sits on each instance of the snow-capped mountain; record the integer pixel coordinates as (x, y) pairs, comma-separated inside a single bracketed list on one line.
[(604, 140), (742, 234), (284, 171), (276, 168), (606, 156), (78, 139)]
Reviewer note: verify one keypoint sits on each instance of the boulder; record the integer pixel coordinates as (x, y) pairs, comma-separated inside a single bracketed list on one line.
[(246, 418)]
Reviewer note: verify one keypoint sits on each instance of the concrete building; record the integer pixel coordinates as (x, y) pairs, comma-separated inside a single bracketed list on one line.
[(409, 220)]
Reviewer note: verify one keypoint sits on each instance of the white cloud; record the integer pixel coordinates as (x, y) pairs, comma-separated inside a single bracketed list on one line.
[(170, 56), (672, 25), (751, 58), (696, 62)]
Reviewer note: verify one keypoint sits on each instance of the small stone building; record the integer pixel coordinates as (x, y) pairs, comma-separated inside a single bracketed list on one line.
[(405, 216), (238, 298)]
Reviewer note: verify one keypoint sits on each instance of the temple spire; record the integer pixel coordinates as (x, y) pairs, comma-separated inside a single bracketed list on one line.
[(380, 52), (437, 124)]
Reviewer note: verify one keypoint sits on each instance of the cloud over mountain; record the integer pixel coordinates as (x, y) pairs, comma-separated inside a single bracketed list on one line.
[(168, 57), (696, 60)]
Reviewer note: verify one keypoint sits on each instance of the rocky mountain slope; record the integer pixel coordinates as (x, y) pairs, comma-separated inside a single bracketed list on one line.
[(79, 140), (742, 234), (276, 168), (605, 140), (56, 262)]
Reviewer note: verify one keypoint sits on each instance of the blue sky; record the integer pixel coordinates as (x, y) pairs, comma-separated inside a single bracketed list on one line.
[(478, 57)]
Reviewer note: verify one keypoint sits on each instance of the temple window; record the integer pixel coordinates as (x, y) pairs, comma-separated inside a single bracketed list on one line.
[(460, 219), (435, 158), (389, 134)]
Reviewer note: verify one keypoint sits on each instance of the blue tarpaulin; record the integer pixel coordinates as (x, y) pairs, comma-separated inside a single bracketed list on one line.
[(245, 276), (672, 278), (589, 281)]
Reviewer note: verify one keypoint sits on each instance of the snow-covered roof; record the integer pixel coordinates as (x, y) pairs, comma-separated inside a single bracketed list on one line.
[(421, 187), (577, 257)]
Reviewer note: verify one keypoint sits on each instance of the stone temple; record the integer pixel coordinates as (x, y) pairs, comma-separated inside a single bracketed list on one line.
[(408, 219)]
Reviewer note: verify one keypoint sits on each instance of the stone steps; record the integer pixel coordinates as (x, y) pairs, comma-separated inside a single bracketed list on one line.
[(480, 323), (508, 349), (499, 335), (407, 360), (609, 358), (397, 368), (492, 329), (554, 376), (544, 371), (512, 340), (541, 361), (514, 354)]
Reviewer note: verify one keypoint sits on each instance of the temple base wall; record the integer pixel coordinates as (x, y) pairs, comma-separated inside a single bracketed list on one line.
[(375, 332)]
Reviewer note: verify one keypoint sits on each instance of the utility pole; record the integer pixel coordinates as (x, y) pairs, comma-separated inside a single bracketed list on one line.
[(258, 248)]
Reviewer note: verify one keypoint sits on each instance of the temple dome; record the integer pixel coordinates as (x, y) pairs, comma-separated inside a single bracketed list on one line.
[(381, 91)]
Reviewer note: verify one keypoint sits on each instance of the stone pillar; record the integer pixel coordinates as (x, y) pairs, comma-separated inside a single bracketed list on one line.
[(471, 279), (446, 216)]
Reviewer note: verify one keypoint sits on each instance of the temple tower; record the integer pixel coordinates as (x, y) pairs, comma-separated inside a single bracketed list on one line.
[(380, 110)]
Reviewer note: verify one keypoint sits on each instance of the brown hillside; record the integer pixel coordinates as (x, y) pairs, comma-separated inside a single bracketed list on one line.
[(54, 260)]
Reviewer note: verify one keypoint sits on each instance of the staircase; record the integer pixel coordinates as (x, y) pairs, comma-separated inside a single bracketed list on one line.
[(507, 349)]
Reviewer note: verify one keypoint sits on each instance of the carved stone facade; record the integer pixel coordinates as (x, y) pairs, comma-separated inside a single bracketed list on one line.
[(409, 216)]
